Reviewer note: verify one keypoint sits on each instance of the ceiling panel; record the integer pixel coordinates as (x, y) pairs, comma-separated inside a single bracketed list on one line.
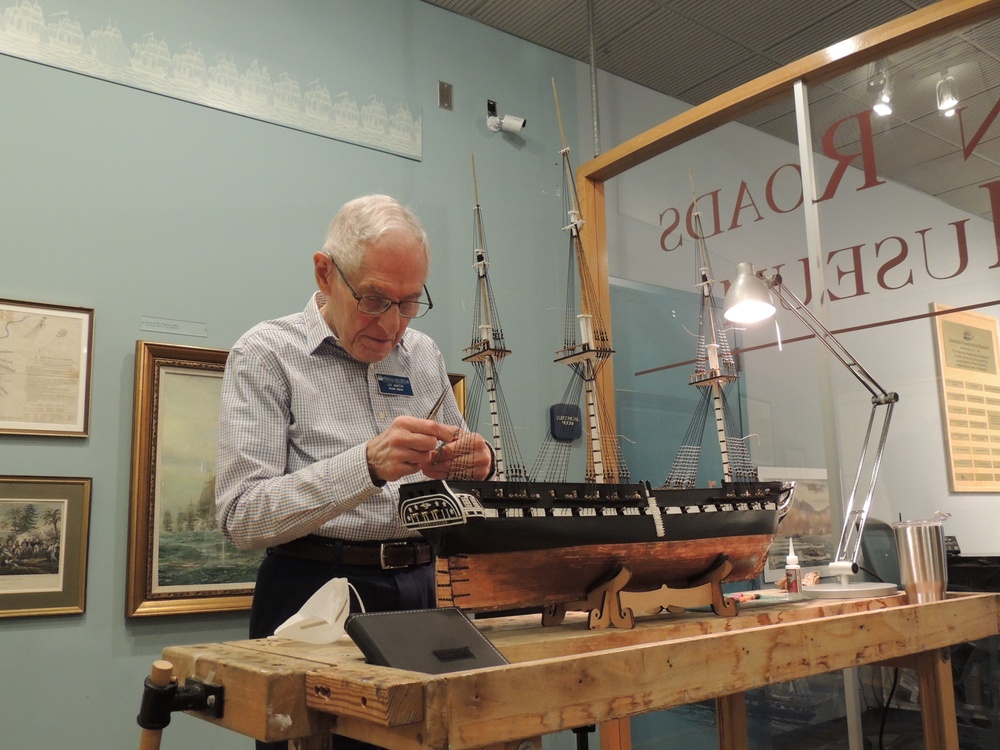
[(694, 50)]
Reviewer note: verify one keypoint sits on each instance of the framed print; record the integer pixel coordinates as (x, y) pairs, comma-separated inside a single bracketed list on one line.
[(808, 522), (178, 560), (45, 357), (44, 526)]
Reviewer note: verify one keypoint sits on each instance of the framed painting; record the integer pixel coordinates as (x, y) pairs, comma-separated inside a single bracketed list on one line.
[(44, 526), (808, 523), (178, 561), (45, 363)]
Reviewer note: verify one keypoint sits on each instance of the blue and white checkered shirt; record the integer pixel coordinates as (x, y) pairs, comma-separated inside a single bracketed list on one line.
[(296, 413)]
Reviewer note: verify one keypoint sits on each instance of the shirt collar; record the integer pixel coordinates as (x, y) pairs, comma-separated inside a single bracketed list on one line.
[(318, 331)]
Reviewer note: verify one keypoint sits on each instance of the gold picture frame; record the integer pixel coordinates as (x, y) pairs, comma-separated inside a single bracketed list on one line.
[(178, 560), (458, 388), (45, 367), (43, 553)]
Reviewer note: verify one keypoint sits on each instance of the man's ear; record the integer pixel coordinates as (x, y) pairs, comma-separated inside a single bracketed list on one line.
[(324, 271)]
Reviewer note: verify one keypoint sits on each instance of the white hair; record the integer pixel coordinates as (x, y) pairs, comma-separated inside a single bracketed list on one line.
[(362, 222)]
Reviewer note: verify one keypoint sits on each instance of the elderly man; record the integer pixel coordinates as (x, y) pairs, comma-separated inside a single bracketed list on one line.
[(323, 416)]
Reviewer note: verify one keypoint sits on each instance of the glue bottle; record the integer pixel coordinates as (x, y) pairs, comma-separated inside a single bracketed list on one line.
[(793, 574)]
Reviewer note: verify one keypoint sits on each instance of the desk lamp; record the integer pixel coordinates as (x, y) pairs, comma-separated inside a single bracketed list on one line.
[(749, 301)]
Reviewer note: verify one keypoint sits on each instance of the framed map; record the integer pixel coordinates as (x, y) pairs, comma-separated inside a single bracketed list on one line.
[(45, 364)]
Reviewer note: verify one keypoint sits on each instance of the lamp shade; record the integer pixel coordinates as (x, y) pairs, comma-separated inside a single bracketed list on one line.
[(748, 299)]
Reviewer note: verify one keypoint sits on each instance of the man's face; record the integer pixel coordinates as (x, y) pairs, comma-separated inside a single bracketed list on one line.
[(394, 268)]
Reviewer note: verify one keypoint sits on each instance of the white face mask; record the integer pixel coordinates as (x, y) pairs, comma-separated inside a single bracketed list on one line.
[(322, 617)]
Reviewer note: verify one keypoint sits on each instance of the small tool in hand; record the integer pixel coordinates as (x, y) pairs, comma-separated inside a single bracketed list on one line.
[(437, 404), (433, 413)]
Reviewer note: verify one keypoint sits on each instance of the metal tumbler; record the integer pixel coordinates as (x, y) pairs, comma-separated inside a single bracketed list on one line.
[(922, 567)]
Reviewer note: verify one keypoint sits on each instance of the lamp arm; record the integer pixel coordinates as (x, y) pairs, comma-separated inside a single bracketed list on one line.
[(803, 313), (845, 559)]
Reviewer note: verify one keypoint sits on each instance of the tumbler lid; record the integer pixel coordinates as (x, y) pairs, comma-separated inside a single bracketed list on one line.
[(939, 518)]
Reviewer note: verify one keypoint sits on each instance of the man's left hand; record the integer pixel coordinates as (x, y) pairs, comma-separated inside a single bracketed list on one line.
[(466, 456)]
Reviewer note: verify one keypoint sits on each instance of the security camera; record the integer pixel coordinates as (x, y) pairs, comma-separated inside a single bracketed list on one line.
[(506, 123), (512, 124)]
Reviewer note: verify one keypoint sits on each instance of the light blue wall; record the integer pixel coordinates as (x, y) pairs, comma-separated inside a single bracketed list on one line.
[(138, 205)]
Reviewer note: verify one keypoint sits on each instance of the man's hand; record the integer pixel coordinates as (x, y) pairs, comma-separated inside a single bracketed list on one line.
[(410, 445), (465, 455)]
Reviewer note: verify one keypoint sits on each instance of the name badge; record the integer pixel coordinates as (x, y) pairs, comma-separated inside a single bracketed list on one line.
[(394, 385)]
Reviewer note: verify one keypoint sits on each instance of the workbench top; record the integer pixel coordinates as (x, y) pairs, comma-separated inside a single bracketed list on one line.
[(567, 676)]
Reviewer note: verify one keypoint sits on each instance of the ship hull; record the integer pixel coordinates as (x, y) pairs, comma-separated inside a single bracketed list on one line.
[(539, 544)]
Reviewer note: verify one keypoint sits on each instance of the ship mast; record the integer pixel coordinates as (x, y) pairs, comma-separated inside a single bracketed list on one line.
[(588, 354), (715, 370), (715, 376), (486, 352)]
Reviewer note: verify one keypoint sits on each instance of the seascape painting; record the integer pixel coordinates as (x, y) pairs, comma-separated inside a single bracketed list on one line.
[(808, 523), (189, 550)]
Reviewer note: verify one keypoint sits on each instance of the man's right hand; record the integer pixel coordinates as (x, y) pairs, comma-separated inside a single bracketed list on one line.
[(407, 444)]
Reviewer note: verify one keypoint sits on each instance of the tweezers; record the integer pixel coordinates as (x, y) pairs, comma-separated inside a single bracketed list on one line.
[(433, 413), (437, 404)]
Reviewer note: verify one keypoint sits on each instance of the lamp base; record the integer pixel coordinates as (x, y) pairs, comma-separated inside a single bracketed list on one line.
[(855, 590)]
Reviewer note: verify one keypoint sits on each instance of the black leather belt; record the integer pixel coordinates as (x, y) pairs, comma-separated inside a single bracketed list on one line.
[(393, 555)]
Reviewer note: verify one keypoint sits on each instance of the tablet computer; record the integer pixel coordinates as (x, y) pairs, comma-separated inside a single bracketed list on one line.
[(434, 641)]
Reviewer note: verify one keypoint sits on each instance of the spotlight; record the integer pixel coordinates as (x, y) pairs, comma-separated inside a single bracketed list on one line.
[(947, 99), (506, 123), (878, 83), (883, 104)]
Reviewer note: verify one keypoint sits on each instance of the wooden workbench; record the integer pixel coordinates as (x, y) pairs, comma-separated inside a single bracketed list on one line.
[(568, 676)]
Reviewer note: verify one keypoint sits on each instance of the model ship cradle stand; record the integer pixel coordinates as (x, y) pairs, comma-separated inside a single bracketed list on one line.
[(611, 604)]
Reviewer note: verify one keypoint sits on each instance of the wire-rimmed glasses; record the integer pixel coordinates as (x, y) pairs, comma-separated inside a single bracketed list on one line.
[(370, 305)]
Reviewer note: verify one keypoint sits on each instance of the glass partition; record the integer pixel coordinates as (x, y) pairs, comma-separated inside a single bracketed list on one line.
[(903, 266), (906, 173), (730, 195)]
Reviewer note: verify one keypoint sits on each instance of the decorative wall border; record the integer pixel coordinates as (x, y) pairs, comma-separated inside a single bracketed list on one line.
[(181, 71)]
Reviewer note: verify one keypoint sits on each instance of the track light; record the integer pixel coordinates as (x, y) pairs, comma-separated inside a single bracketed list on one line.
[(947, 98), (883, 104), (878, 83), (506, 123)]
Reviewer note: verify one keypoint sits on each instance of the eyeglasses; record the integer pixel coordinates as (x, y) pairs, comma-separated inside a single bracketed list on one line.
[(408, 308)]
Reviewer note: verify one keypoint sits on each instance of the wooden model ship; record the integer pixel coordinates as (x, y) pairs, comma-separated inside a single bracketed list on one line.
[(609, 545)]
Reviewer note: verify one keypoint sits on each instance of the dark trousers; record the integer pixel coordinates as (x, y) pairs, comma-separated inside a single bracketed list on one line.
[(285, 583)]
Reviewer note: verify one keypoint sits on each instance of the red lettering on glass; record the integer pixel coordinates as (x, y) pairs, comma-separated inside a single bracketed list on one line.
[(893, 262), (962, 246), (744, 200), (867, 154)]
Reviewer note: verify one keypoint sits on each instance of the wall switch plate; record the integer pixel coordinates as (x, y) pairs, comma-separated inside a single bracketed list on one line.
[(445, 96)]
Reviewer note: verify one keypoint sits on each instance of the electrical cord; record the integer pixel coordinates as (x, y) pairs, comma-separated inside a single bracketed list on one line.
[(872, 573)]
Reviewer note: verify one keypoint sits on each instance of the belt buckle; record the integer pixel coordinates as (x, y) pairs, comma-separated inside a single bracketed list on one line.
[(381, 555)]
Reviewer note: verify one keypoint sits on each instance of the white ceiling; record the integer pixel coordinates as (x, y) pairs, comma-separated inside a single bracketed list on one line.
[(694, 50)]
